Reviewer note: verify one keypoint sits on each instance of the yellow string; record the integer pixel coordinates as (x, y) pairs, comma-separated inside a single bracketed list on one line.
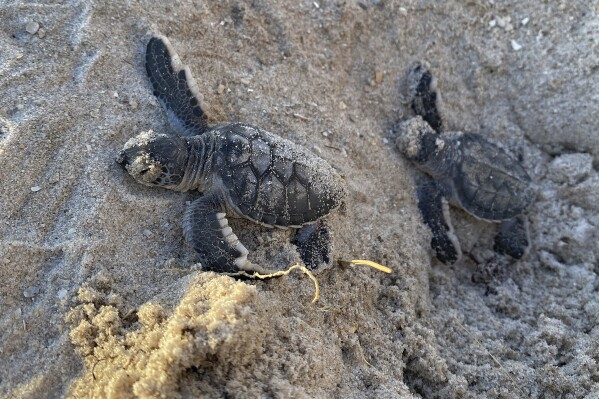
[(283, 273), (371, 264), (256, 275)]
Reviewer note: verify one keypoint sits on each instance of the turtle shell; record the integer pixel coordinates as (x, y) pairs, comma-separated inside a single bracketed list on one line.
[(271, 180), (488, 182)]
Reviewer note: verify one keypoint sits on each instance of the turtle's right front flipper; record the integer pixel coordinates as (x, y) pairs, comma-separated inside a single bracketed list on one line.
[(206, 228), (175, 88), (431, 205), (423, 96)]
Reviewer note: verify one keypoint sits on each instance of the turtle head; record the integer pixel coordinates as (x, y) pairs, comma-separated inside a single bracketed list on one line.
[(417, 140), (155, 159)]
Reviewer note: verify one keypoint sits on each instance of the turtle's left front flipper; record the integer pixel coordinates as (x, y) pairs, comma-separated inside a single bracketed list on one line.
[(206, 228), (175, 88), (512, 238), (435, 214)]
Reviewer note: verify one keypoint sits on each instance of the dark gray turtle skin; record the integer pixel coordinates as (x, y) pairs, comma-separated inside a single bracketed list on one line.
[(467, 170), (241, 170)]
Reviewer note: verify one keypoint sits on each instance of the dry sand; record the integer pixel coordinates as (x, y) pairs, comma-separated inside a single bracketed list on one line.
[(101, 297)]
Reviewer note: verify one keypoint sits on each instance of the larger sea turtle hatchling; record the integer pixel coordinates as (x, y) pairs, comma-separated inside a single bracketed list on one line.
[(241, 171), (466, 169)]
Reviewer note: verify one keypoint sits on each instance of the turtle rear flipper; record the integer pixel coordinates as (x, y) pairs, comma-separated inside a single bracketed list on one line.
[(313, 243), (206, 228), (175, 88), (423, 95), (435, 214), (512, 238)]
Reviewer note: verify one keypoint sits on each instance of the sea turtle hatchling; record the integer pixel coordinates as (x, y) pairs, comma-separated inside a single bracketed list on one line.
[(241, 171), (467, 170)]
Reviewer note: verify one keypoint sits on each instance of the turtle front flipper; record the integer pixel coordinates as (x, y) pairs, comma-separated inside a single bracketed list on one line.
[(175, 88), (206, 228), (423, 95), (512, 238), (435, 214), (313, 243)]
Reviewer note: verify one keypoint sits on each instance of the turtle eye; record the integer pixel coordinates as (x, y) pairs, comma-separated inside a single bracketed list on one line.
[(143, 172)]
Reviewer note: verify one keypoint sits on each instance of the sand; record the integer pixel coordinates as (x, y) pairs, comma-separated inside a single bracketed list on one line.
[(101, 297)]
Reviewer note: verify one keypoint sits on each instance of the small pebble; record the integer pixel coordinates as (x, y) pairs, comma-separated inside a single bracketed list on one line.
[(133, 104), (403, 11), (115, 94), (378, 77), (245, 81), (516, 46), (316, 4), (147, 233), (41, 33), (35, 189), (71, 231), (31, 292), (505, 23), (32, 28), (220, 89), (524, 21), (342, 105), (492, 23)]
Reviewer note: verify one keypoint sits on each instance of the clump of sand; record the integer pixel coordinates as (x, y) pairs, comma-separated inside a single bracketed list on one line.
[(225, 337), (208, 325)]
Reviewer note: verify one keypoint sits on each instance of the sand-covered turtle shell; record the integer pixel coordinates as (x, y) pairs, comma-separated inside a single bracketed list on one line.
[(488, 182), (271, 180)]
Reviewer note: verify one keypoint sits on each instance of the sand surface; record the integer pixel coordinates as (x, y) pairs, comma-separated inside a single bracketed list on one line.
[(101, 297)]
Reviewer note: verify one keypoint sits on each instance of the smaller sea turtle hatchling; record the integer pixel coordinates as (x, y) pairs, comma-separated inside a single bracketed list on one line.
[(241, 170), (467, 170)]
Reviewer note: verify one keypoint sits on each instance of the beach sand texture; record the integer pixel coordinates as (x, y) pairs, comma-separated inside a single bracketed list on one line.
[(101, 297)]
